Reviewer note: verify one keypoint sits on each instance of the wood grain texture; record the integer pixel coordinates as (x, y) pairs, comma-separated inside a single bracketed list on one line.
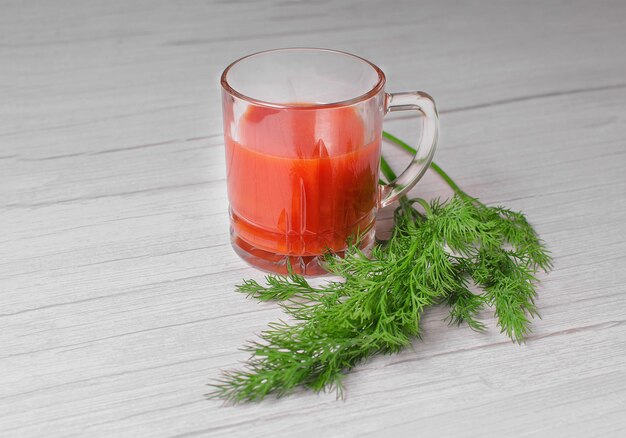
[(116, 272)]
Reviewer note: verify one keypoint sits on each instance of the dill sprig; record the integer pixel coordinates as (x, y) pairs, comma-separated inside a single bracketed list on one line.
[(458, 252)]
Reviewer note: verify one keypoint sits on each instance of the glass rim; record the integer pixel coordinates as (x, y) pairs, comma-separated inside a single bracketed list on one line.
[(346, 102)]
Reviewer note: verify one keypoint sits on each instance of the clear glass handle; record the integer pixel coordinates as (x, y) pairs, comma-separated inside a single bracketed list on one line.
[(425, 104)]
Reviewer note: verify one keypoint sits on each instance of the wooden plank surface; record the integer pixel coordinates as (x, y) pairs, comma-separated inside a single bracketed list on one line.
[(117, 300)]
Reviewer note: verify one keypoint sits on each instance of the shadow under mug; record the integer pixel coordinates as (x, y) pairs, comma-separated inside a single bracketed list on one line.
[(303, 135)]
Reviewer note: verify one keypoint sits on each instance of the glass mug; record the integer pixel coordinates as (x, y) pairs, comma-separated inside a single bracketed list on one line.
[(303, 131)]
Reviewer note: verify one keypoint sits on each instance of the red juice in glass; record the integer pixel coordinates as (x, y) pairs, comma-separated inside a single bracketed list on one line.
[(301, 182)]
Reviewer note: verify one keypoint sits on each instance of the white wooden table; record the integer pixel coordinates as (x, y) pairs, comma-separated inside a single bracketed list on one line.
[(117, 300)]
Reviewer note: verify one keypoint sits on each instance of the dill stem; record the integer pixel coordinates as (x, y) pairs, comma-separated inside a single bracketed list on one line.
[(434, 166), (424, 205), (386, 169)]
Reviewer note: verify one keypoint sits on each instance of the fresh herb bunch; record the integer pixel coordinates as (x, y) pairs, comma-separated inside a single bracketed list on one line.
[(460, 253)]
